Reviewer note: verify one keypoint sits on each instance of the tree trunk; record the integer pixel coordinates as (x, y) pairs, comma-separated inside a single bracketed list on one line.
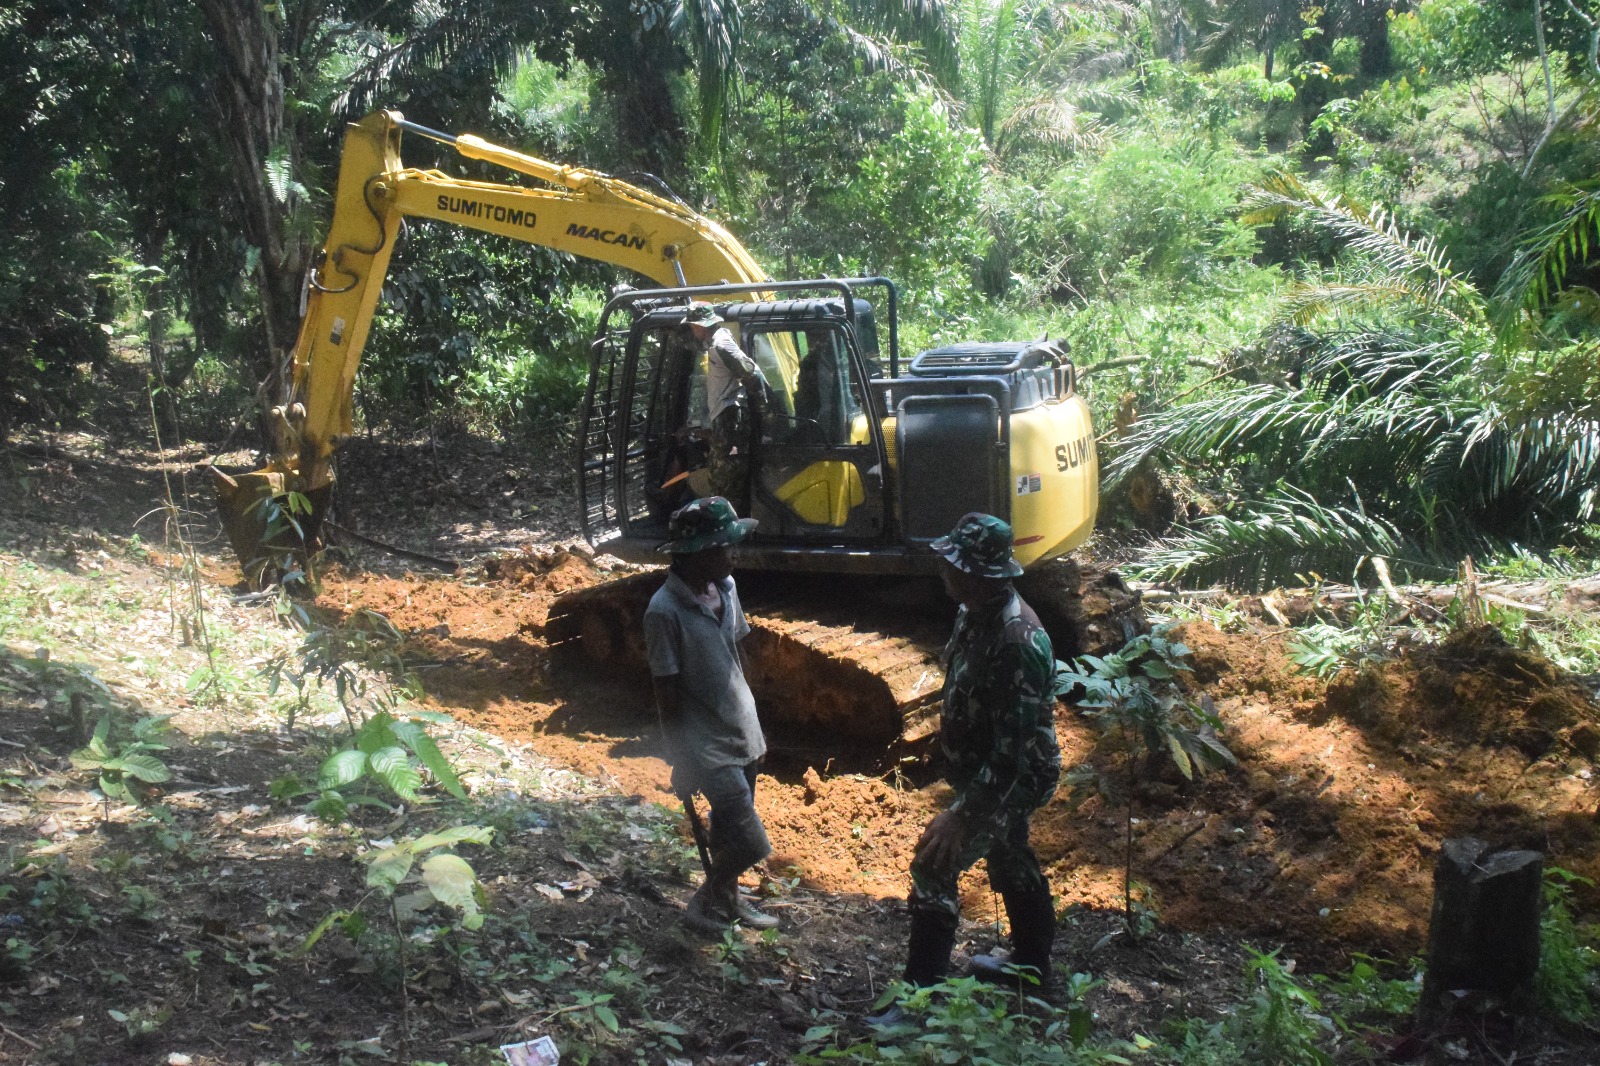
[(1484, 933), (1371, 19), (249, 103)]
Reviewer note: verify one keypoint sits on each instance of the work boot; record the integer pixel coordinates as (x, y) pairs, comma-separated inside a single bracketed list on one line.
[(745, 912), (1033, 932), (704, 914), (933, 937)]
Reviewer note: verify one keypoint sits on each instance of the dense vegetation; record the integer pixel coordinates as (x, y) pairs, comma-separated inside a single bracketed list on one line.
[(1329, 268)]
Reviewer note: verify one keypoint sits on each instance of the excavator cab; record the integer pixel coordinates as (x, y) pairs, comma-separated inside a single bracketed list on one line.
[(851, 469), (816, 475)]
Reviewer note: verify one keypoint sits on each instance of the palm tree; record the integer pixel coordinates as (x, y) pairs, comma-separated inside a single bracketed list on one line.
[(1392, 427), (637, 50)]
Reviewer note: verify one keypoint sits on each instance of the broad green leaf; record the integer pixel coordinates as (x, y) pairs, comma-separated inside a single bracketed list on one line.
[(451, 880), (411, 904), (146, 768), (607, 1017), (1180, 756), (456, 834), (390, 866), (354, 924), (376, 733), (102, 730), (84, 759), (393, 767), (413, 736), (342, 768), (330, 807)]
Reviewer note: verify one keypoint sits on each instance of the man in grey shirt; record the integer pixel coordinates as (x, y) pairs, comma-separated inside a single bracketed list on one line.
[(735, 389), (692, 630)]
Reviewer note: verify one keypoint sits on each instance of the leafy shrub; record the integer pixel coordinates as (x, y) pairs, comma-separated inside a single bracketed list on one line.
[(967, 1020), (1280, 1023), (124, 766), (391, 751), (1159, 206), (911, 206), (1568, 964)]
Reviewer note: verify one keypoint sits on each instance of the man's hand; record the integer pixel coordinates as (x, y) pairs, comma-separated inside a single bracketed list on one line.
[(941, 843)]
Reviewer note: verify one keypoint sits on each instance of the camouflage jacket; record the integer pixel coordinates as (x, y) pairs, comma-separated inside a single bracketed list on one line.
[(998, 726)]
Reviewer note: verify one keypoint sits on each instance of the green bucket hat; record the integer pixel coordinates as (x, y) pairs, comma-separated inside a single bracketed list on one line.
[(700, 314), (708, 522), (980, 545)]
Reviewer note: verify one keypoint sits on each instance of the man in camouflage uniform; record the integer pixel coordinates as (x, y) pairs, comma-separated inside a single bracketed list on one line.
[(734, 385), (998, 737)]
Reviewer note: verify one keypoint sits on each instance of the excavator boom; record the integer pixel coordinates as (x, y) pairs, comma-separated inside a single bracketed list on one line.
[(583, 212)]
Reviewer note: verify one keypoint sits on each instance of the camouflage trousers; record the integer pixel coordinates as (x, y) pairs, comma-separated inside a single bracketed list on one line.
[(1013, 869), (729, 461)]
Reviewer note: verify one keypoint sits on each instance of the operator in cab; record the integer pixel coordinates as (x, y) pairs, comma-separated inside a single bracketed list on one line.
[(997, 736), (734, 386), (692, 630)]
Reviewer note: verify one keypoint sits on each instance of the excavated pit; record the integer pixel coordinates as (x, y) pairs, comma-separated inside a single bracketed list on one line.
[(840, 661)]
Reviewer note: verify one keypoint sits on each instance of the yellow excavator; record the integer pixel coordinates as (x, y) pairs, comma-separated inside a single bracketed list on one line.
[(858, 458)]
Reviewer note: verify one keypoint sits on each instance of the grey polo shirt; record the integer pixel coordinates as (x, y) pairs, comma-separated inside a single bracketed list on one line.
[(684, 638)]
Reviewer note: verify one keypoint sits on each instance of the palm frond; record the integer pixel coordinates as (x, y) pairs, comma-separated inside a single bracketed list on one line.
[(1278, 196), (714, 30), (1540, 266), (1410, 268), (1308, 301), (1277, 540), (1553, 458), (1050, 121), (929, 25), (478, 39)]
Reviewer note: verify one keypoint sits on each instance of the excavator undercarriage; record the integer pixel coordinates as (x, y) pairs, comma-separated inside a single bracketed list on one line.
[(850, 660)]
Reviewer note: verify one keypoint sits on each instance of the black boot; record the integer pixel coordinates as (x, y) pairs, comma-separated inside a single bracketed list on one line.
[(1033, 932), (933, 937)]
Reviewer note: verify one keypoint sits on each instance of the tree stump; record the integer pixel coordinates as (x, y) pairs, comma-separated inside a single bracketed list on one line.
[(1483, 936)]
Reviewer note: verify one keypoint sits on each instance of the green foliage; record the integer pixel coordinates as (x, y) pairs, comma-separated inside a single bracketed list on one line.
[(966, 1020), (388, 750), (1402, 433), (1134, 693), (124, 766), (1569, 966), (442, 877), (1365, 991), (1280, 1024), (461, 312), (1323, 650), (910, 205), (350, 654), (1160, 207)]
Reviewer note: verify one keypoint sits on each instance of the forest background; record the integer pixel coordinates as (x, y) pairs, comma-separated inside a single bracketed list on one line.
[(1298, 249)]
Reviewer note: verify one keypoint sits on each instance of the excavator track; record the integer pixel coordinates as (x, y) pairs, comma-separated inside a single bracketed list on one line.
[(845, 662)]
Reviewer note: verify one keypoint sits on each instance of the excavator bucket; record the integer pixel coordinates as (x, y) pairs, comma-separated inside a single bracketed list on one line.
[(269, 530)]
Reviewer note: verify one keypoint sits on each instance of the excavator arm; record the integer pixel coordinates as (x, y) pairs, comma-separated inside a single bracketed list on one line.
[(579, 211)]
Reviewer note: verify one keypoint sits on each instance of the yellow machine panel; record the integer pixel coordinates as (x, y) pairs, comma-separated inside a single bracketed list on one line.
[(1055, 479)]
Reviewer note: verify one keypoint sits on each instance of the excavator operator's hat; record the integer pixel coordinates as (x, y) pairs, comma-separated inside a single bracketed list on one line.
[(709, 522), (701, 314), (980, 545)]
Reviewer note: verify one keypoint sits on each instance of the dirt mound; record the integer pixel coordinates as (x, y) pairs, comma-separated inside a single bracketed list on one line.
[(1324, 837), (1473, 688)]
